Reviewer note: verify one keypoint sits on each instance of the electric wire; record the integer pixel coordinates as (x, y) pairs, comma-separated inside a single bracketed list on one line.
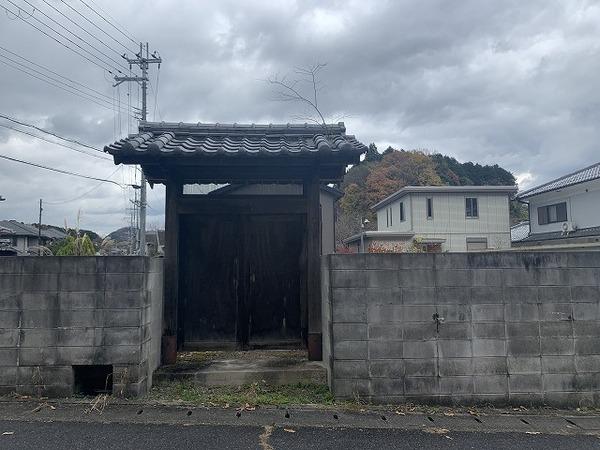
[(62, 202), (127, 35)]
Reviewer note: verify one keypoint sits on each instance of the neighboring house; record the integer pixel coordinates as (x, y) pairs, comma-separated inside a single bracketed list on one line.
[(440, 219), (155, 243), (328, 197), (17, 238), (518, 232), (564, 211)]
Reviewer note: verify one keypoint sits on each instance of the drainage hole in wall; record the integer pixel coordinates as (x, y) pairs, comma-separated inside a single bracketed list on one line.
[(92, 379), (477, 419), (524, 421), (189, 413), (430, 418)]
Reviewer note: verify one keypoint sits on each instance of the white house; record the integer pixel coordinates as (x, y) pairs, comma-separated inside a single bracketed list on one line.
[(564, 211), (441, 218)]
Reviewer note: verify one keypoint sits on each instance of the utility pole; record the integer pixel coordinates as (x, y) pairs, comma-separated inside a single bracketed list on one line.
[(143, 59), (40, 230)]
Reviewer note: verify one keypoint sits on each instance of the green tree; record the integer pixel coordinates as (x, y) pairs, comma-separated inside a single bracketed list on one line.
[(372, 154), (76, 246)]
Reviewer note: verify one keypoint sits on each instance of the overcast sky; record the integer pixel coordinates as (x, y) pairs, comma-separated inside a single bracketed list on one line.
[(509, 82)]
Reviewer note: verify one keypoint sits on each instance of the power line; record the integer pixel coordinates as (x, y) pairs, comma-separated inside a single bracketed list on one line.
[(52, 142), (104, 67), (118, 63), (62, 85), (61, 202), (74, 141), (65, 172), (127, 35)]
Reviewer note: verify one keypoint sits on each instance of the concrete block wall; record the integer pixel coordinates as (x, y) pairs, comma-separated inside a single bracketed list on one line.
[(512, 328), (60, 312)]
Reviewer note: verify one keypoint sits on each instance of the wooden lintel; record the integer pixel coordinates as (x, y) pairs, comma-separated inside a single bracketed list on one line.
[(242, 204)]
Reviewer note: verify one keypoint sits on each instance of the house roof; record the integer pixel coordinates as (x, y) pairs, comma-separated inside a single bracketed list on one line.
[(208, 140), (443, 189), (580, 176), (519, 231), (17, 228), (552, 235), (378, 234)]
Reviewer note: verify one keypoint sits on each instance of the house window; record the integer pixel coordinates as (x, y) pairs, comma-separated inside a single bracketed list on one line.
[(389, 216), (430, 208), (471, 209), (476, 244), (401, 211), (552, 213)]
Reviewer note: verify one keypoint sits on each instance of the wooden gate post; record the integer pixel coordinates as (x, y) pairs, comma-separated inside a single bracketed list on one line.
[(311, 191)]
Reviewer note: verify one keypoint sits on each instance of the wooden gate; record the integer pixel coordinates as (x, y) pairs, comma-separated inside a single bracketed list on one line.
[(241, 281)]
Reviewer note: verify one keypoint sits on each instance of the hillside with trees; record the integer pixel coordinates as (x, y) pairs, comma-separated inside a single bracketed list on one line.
[(381, 174)]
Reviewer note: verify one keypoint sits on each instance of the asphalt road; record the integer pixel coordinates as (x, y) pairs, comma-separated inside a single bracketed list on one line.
[(17, 434)]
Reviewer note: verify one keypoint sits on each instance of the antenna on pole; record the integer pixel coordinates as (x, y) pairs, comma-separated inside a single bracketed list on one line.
[(143, 59)]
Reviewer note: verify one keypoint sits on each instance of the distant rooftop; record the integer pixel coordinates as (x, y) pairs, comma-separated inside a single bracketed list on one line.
[(443, 189), (519, 231), (580, 176)]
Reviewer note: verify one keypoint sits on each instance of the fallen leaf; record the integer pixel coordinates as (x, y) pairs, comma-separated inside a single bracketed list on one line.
[(435, 430), (8, 433), (400, 413), (289, 430), (533, 432), (448, 437), (449, 414)]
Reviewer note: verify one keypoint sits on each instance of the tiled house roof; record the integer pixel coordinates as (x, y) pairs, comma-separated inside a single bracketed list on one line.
[(587, 174)]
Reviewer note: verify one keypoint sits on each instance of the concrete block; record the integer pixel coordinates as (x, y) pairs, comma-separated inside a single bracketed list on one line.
[(454, 313), (354, 261), (9, 319), (38, 337), (39, 300), (40, 318), (121, 354), (351, 389), (350, 370), (453, 295), (455, 330), (419, 296), (583, 294), (583, 259), (584, 277), (450, 367), (451, 277), (490, 384), (456, 385), (387, 261), (349, 331), (452, 348), (556, 311), (124, 281), (522, 329), (419, 349), (559, 294), (40, 265), (521, 277), (487, 277), (350, 350), (78, 265), (39, 375), (558, 364), (555, 329), (444, 261), (79, 355), (558, 346), (419, 331), (528, 346), (82, 282), (382, 278), (122, 317), (487, 313), (416, 278), (386, 331), (561, 382), (122, 336), (494, 330), (9, 337), (490, 366), (8, 357), (80, 318), (553, 277), (525, 383), (419, 386), (11, 265), (39, 281), (349, 313), (384, 387), (519, 312), (385, 349), (11, 283), (521, 365), (584, 311), (10, 301), (420, 367), (587, 345), (521, 294), (489, 347), (391, 368), (77, 337), (568, 399), (8, 376), (124, 264), (387, 296), (385, 313), (486, 294), (41, 356), (412, 313), (348, 279), (80, 300), (124, 299), (587, 363), (349, 296)]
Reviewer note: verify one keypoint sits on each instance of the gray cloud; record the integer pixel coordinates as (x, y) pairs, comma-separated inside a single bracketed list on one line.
[(509, 82)]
